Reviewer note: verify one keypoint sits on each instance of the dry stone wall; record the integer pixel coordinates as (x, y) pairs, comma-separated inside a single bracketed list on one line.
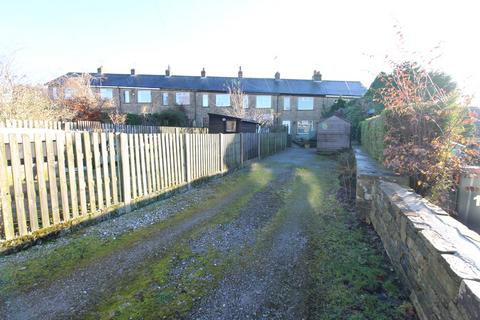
[(436, 256)]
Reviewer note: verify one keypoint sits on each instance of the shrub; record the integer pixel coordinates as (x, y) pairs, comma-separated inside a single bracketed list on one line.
[(373, 134), (424, 125), (171, 118), (134, 119)]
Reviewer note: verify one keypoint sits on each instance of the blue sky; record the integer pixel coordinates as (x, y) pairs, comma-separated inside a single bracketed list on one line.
[(345, 40)]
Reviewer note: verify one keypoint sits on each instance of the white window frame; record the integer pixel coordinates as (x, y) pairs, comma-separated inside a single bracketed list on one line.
[(222, 100), (165, 99), (126, 96), (106, 93), (54, 93), (304, 123), (182, 98), (261, 102), (205, 100), (286, 103), (245, 102), (68, 93), (144, 96), (305, 103)]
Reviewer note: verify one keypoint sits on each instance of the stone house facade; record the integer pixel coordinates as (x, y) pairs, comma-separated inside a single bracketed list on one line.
[(296, 103)]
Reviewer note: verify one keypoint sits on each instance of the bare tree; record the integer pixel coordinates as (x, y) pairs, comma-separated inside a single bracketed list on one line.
[(239, 105), (23, 101), (116, 117), (75, 93)]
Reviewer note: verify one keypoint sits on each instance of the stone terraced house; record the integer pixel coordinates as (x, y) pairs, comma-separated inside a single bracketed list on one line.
[(296, 103)]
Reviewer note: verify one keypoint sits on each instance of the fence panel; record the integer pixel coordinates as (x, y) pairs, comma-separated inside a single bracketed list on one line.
[(48, 177)]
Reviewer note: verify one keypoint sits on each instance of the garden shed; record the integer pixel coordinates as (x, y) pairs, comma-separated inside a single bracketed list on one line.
[(220, 123), (333, 135)]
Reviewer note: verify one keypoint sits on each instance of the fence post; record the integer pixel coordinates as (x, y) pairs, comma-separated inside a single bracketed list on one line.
[(220, 137), (259, 138), (188, 173), (5, 199), (125, 171), (241, 149)]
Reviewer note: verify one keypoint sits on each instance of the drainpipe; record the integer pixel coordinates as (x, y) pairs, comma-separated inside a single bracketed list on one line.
[(195, 107)]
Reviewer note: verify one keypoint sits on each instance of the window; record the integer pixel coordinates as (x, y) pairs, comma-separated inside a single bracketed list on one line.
[(286, 123), (68, 93), (304, 127), (231, 126), (286, 104), (54, 93), (182, 98), (205, 100), (126, 96), (165, 99), (305, 103), (264, 102), (144, 96), (245, 102), (106, 93), (222, 100)]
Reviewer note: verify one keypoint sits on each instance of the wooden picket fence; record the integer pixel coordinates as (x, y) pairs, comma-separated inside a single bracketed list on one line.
[(126, 128), (96, 126), (57, 177)]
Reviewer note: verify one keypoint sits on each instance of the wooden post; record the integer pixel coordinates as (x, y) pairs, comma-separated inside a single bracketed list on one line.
[(220, 139), (241, 149), (259, 141), (5, 197), (187, 160), (125, 170)]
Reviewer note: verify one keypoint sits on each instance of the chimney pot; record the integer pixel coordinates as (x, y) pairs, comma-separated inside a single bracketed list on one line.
[(203, 73), (240, 72), (99, 70), (132, 71), (277, 75), (167, 71), (317, 76)]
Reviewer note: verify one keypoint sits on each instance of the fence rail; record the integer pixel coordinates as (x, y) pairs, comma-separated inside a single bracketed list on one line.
[(97, 126), (55, 177)]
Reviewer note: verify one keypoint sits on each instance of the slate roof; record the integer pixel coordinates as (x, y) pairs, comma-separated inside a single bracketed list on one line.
[(220, 84)]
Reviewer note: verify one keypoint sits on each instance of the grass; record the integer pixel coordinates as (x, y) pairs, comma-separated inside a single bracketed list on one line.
[(169, 287), (350, 276), (83, 250)]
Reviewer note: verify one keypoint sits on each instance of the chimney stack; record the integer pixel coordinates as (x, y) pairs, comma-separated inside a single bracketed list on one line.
[(240, 72), (203, 73), (277, 75), (132, 72), (99, 70), (317, 76), (167, 71)]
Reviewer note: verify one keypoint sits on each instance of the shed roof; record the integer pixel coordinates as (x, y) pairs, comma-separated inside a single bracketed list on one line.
[(220, 84), (232, 117)]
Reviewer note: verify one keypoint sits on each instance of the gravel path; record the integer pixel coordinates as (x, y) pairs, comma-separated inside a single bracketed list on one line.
[(261, 236)]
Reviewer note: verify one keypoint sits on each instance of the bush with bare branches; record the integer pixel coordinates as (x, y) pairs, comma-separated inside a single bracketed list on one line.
[(22, 101), (239, 109)]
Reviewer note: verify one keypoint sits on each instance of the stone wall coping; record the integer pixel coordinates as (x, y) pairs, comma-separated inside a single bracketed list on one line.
[(367, 166), (443, 230)]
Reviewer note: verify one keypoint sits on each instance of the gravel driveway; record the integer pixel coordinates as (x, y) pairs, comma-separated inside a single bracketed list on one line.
[(247, 246)]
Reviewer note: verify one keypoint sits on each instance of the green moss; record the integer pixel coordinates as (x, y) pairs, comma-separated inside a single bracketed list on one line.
[(353, 273), (82, 250), (169, 287)]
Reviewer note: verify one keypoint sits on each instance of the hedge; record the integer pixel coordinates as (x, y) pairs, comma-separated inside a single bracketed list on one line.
[(372, 135)]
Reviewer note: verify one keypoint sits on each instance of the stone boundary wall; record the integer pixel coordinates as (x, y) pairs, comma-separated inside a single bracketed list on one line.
[(436, 257)]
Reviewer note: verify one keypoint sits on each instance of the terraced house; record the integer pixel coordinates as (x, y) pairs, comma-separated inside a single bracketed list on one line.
[(296, 103)]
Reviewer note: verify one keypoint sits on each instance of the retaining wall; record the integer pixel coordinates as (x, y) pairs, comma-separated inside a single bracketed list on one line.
[(437, 257)]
